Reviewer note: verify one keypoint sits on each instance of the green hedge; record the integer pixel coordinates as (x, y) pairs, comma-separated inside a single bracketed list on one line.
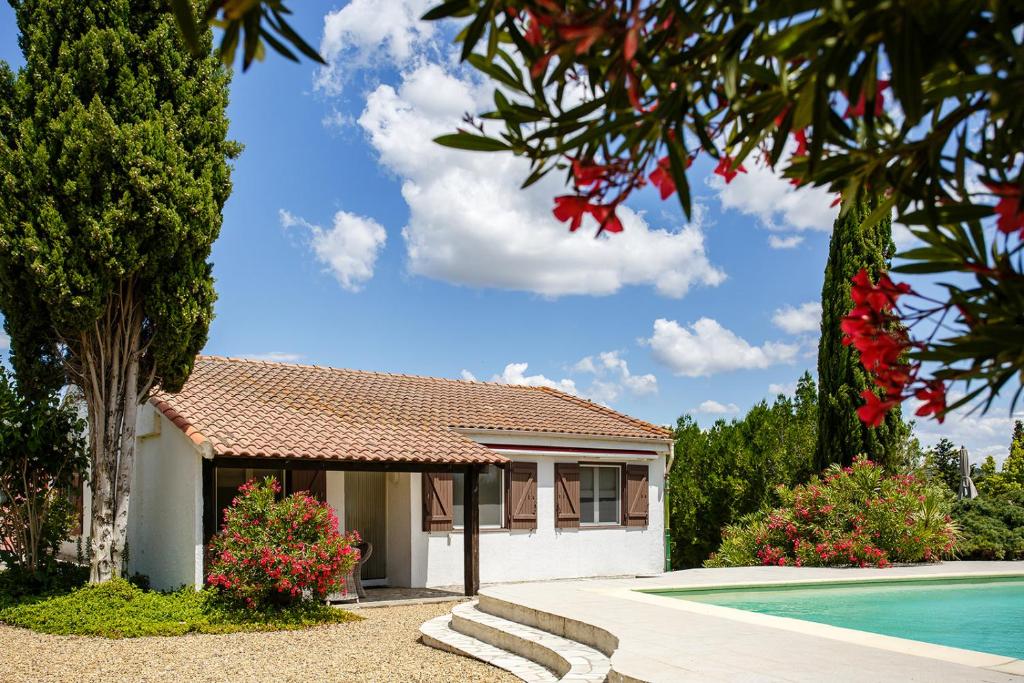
[(992, 527)]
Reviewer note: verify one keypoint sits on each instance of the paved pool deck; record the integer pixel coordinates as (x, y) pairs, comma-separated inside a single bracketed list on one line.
[(664, 639)]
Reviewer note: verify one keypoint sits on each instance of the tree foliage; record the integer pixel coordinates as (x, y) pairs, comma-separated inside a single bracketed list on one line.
[(1010, 479), (42, 451), (908, 101), (842, 379), (732, 468), (114, 170), (942, 464)]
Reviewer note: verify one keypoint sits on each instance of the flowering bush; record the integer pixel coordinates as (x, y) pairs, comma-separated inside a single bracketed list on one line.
[(278, 551), (853, 516)]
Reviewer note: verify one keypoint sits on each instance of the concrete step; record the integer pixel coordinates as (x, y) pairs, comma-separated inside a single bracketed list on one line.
[(439, 634), (569, 659)]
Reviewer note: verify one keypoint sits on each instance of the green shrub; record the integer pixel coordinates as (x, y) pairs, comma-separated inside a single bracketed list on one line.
[(118, 609), (853, 516), (18, 584), (992, 527), (273, 552)]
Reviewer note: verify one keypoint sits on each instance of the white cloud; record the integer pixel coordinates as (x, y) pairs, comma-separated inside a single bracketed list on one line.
[(787, 388), (275, 356), (983, 435), (613, 376), (471, 224), (515, 373), (5, 342), (785, 242), (349, 248), (711, 407), (467, 375), (706, 348), (364, 32), (764, 193), (804, 318)]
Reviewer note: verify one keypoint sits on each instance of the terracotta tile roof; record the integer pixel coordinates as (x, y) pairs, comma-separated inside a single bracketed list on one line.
[(264, 409)]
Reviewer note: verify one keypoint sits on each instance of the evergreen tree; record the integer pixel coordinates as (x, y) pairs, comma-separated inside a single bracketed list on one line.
[(114, 171), (942, 463), (1013, 466), (841, 378)]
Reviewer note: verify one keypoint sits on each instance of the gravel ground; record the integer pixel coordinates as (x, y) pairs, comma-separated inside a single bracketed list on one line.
[(383, 647)]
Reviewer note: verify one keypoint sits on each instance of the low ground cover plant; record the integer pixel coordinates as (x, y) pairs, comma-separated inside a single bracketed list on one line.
[(118, 609), (855, 516), (992, 527), (274, 552)]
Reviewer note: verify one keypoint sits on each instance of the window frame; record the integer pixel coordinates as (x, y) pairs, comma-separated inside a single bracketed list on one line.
[(617, 521), (457, 502)]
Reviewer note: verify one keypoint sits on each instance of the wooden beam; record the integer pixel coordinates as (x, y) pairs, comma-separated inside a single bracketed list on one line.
[(471, 531)]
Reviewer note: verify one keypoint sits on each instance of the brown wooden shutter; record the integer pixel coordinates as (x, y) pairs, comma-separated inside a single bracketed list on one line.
[(438, 495), (567, 495), (521, 496), (635, 507), (312, 481)]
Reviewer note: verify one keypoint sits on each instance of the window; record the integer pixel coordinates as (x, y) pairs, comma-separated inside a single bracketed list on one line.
[(492, 498), (228, 479), (599, 494)]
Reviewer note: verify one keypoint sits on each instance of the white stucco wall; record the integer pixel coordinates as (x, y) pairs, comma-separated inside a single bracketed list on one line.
[(545, 553), (165, 531)]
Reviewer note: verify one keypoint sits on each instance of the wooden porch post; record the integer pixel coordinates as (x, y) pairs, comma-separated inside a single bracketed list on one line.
[(471, 530)]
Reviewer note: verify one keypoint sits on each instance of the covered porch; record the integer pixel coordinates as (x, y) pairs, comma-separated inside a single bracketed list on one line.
[(376, 498)]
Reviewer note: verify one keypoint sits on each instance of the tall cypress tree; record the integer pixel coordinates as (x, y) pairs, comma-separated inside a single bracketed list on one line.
[(114, 169), (841, 378)]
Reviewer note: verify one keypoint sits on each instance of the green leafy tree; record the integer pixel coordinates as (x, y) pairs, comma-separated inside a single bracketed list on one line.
[(942, 463), (841, 378), (42, 451), (1013, 466), (733, 468), (114, 171)]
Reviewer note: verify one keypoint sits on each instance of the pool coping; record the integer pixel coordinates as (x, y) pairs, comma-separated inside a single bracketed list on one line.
[(654, 638), (947, 653)]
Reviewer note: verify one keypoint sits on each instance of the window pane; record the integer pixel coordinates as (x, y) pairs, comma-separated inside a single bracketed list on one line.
[(608, 495), (491, 513), (587, 495)]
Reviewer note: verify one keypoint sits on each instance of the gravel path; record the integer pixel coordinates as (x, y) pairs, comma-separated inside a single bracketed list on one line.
[(383, 647)]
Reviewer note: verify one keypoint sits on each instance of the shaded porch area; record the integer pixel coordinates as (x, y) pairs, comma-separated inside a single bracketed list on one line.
[(377, 499)]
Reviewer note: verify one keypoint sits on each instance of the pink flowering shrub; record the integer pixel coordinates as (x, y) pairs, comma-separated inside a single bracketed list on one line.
[(273, 551), (851, 516)]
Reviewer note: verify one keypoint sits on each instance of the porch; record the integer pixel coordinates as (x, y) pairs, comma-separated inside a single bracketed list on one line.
[(374, 498)]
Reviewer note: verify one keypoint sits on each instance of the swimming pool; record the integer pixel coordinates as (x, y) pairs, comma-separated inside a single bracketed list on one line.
[(982, 614)]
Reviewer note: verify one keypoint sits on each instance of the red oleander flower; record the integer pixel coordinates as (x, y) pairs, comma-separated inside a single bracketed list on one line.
[(856, 110), (933, 393), (726, 170), (587, 173), (661, 178), (605, 216), (801, 143), (571, 208), (1009, 210)]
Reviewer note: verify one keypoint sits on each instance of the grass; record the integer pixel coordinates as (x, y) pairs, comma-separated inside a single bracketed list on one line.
[(118, 609)]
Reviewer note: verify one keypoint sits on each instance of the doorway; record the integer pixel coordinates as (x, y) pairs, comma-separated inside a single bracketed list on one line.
[(366, 512)]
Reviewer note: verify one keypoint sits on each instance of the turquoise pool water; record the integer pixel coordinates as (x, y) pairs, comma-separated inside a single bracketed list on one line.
[(986, 615)]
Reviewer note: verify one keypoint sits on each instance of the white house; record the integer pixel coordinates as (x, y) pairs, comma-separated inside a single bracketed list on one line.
[(563, 487)]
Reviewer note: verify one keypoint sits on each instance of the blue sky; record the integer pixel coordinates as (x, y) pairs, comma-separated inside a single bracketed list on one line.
[(350, 240)]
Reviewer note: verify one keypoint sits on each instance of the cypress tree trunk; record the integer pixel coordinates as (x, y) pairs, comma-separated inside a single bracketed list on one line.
[(841, 378)]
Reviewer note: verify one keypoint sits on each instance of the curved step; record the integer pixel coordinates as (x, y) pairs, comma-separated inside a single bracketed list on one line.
[(571, 660), (438, 634)]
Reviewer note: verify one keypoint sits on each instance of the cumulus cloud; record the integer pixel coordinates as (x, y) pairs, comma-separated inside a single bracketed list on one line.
[(5, 342), (467, 375), (612, 377), (364, 32), (711, 407), (803, 318), (471, 224), (785, 242), (787, 388), (349, 248), (275, 356), (706, 348), (764, 193), (515, 373), (983, 435)]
